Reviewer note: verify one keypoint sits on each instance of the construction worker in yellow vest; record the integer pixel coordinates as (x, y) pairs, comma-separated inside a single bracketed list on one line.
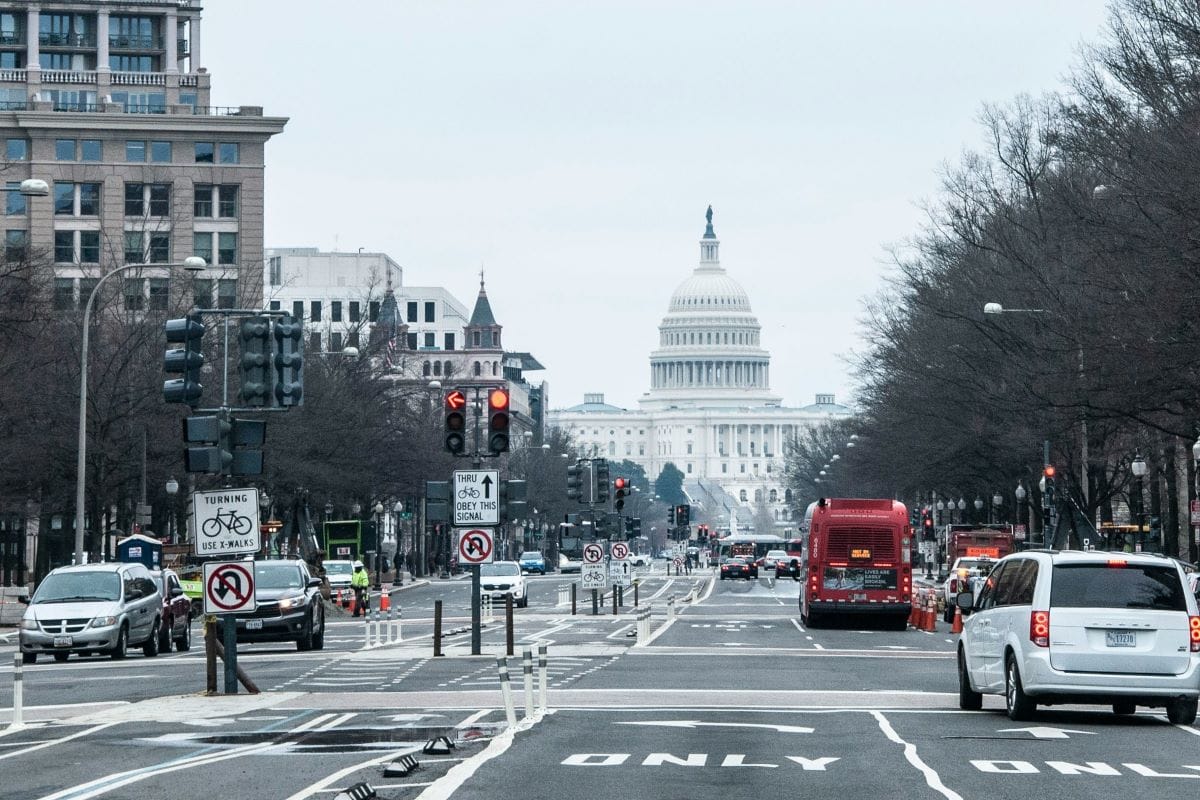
[(359, 583)]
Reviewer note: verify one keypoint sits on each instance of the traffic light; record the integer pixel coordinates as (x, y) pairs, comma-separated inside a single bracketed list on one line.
[(246, 435), (575, 482), (683, 515), (634, 527), (289, 361), (456, 421), (671, 515), (927, 531), (601, 481), (513, 501), (498, 421), (185, 361), (215, 455), (620, 492), (1048, 484), (255, 365)]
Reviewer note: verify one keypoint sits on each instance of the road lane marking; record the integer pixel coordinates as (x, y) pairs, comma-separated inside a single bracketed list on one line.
[(799, 627), (60, 740), (932, 779)]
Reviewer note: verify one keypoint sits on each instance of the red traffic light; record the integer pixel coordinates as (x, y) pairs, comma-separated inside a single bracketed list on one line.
[(456, 400), (497, 399), (1048, 471), (620, 483)]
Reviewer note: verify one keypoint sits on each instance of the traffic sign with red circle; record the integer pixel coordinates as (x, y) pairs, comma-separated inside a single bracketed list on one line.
[(475, 546), (620, 551), (593, 554), (229, 587)]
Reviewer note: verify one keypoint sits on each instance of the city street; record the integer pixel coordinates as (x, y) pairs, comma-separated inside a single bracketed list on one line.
[(733, 696)]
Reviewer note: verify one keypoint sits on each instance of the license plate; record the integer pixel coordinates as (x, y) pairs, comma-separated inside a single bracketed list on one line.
[(1120, 638), (858, 596), (63, 641), (254, 624)]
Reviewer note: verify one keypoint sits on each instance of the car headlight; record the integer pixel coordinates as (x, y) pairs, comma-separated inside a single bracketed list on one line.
[(290, 602), (29, 624), (103, 622)]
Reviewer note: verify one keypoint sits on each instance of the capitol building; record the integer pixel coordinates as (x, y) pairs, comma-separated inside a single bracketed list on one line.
[(710, 410)]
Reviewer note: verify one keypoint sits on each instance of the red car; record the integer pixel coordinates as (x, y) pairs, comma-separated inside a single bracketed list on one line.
[(738, 567), (176, 625)]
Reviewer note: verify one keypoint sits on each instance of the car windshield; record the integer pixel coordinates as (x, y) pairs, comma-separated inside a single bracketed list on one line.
[(499, 569), (982, 567), (277, 576), (1117, 585), (338, 568), (530, 556), (65, 587), (777, 554)]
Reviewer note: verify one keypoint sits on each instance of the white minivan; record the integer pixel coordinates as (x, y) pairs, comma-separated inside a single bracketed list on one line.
[(1053, 627)]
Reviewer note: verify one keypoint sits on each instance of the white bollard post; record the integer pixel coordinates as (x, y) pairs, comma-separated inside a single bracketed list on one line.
[(486, 600), (671, 608), (387, 636), (18, 692), (542, 676), (399, 623), (366, 631), (527, 669), (506, 691)]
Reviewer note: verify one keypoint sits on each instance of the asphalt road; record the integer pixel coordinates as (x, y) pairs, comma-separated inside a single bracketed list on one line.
[(730, 696)]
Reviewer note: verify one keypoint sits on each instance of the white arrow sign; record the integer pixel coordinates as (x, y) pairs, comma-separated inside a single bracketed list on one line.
[(693, 723), (1039, 732)]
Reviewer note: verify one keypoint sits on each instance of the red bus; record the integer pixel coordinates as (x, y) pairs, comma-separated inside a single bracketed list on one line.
[(859, 561)]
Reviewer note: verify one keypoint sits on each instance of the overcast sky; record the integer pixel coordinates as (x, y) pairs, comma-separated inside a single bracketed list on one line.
[(571, 148)]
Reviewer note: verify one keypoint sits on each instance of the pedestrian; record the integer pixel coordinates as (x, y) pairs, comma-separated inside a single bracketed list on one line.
[(398, 563), (359, 583)]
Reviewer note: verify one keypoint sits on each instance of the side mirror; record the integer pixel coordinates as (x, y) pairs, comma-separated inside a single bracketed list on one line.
[(313, 582), (23, 600), (965, 601), (176, 591)]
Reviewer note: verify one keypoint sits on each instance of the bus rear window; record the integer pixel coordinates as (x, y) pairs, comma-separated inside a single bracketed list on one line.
[(1104, 586)]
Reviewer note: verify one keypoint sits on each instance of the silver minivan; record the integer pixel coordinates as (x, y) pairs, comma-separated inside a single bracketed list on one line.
[(92, 608)]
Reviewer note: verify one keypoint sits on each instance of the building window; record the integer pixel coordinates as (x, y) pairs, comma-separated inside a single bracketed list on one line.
[(689, 468), (476, 368), (91, 150), (612, 449), (16, 149), (89, 247), (64, 149), (160, 199), (742, 469), (629, 448), (227, 293), (135, 150), (160, 152), (227, 248), (230, 153), (157, 195), (202, 292), (159, 294), (430, 339), (298, 309), (352, 339), (205, 153), (335, 310), (689, 448), (774, 496), (426, 369), (373, 311), (15, 203), (411, 341), (335, 341), (135, 296), (355, 311), (641, 449), (410, 310), (227, 201), (89, 199), (160, 248), (64, 247), (202, 203), (275, 305), (134, 249), (430, 309), (276, 267), (437, 368), (64, 294), (64, 199), (742, 495), (315, 310), (314, 341), (475, 338), (449, 339), (202, 246), (724, 468), (134, 199)]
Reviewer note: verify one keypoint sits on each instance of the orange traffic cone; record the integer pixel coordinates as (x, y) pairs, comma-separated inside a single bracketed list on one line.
[(337, 601), (354, 603), (957, 626), (385, 602), (930, 614)]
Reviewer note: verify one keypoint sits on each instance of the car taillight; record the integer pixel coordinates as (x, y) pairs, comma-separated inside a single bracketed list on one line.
[(1194, 627), (953, 585), (1039, 628)]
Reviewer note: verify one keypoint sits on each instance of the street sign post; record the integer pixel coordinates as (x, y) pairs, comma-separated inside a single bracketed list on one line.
[(226, 522), (475, 546), (476, 497)]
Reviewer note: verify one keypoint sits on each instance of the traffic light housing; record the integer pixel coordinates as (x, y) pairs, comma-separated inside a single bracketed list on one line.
[(927, 531), (456, 421), (498, 421), (683, 515), (575, 482), (254, 333), (185, 361), (513, 499), (601, 481), (289, 361), (215, 453), (671, 515), (620, 492)]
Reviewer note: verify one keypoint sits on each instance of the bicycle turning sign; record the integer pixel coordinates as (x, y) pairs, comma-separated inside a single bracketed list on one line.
[(226, 522)]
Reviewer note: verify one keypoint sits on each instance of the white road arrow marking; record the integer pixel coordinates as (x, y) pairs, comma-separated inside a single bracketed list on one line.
[(693, 723), (1039, 732)]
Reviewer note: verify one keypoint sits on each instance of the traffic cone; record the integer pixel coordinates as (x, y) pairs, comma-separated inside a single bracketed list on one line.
[(932, 616), (929, 614), (385, 602), (957, 626), (354, 603), (338, 598)]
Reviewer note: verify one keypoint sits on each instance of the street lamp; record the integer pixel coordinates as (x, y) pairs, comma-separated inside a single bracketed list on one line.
[(1139, 470), (30, 187), (997, 501), (172, 487), (398, 510), (962, 507), (378, 509), (191, 264), (1020, 494)]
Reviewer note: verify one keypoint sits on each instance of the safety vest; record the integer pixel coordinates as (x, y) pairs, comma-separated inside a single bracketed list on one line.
[(359, 579)]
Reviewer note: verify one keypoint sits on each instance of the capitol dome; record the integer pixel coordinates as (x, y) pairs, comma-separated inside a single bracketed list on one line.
[(709, 351)]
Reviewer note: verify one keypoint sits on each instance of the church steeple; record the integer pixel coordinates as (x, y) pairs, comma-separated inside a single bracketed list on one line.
[(709, 244), (482, 332)]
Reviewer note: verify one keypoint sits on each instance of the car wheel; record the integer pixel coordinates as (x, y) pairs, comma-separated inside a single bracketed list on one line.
[(524, 602), (1018, 705), (61, 657), (305, 640), (948, 614), (28, 658), (318, 639), (813, 620), (150, 646), (1124, 708), (122, 645), (968, 698), (1181, 711), (184, 642), (164, 636)]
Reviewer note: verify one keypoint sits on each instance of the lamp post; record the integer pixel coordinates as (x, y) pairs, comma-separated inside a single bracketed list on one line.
[(997, 501), (172, 487), (978, 507), (378, 509), (1019, 492), (191, 264), (1139, 470), (398, 558), (264, 508)]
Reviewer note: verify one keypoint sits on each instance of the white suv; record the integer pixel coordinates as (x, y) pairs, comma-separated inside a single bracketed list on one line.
[(1054, 627), (501, 578)]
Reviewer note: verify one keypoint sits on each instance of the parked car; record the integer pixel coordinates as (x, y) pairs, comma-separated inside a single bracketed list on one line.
[(639, 560), (738, 567), (338, 574), (503, 578), (175, 625), (92, 608), (567, 564), (533, 561), (290, 606), (1053, 627)]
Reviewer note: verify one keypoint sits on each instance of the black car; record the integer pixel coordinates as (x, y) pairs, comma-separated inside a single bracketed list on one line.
[(289, 606), (738, 567)]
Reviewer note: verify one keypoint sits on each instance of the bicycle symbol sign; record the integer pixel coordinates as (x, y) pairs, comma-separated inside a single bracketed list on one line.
[(226, 522)]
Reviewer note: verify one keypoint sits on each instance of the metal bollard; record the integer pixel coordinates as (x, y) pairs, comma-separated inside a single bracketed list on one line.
[(506, 691), (542, 676), (527, 669), (635, 594), (437, 628), (614, 595), (508, 625), (18, 692), (574, 598), (595, 602)]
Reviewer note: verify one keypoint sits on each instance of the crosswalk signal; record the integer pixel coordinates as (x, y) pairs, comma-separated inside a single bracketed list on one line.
[(255, 364), (671, 515), (214, 455), (185, 361), (498, 421), (620, 492), (456, 421), (289, 361), (683, 515)]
